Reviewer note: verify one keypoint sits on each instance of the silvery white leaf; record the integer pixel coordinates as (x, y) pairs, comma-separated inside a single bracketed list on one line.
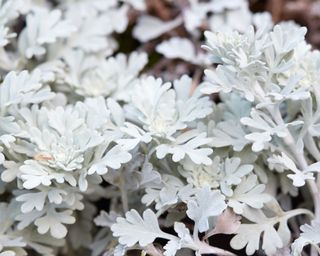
[(187, 144), (112, 159), (150, 27), (181, 48), (136, 229), (232, 172), (32, 201), (285, 39), (229, 133), (310, 235), (23, 88), (298, 177), (106, 219), (250, 193), (248, 235), (43, 27), (205, 204), (54, 221)]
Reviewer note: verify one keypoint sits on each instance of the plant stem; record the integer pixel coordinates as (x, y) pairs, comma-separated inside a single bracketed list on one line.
[(195, 233), (296, 212), (299, 157), (312, 148), (123, 191), (204, 248)]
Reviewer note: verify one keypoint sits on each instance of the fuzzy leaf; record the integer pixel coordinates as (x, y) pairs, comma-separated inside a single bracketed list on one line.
[(136, 229), (205, 204)]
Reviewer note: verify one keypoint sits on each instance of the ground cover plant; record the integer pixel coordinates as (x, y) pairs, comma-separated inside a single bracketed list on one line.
[(162, 128)]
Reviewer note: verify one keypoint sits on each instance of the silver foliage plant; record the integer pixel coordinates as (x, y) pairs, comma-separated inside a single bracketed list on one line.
[(82, 123)]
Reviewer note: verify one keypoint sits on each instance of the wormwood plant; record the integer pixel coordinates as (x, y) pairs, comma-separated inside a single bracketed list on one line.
[(101, 156)]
